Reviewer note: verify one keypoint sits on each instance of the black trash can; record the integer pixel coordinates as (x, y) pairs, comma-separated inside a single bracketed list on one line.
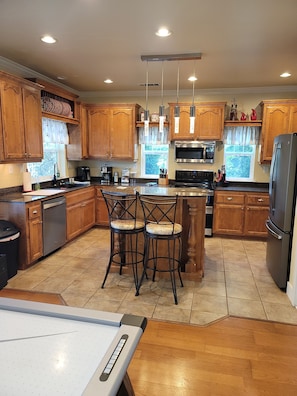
[(3, 271), (9, 245)]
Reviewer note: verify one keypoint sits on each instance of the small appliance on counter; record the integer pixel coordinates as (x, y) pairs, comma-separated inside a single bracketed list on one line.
[(83, 173), (125, 177), (106, 172)]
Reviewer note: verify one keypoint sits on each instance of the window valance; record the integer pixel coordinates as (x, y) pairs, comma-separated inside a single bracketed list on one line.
[(153, 136), (54, 131), (241, 135)]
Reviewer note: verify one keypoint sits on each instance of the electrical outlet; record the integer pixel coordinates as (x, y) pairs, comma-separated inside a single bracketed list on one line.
[(10, 169)]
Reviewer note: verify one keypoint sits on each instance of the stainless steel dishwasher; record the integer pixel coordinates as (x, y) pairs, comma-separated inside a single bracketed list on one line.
[(53, 224)]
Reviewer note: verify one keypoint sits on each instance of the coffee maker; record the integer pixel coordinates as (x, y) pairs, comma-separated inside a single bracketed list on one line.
[(106, 172), (83, 173)]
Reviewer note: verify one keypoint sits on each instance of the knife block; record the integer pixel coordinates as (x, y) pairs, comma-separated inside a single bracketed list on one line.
[(163, 181)]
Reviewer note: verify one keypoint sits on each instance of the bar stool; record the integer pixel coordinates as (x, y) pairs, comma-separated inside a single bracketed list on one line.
[(161, 229), (125, 231)]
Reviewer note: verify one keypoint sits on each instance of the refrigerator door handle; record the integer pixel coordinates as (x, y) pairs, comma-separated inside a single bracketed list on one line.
[(273, 233)]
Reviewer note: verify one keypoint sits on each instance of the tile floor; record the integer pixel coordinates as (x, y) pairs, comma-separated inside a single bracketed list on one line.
[(236, 283)]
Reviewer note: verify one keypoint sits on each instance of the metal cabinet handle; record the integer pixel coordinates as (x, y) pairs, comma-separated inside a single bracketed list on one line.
[(35, 211), (260, 200), (229, 198)]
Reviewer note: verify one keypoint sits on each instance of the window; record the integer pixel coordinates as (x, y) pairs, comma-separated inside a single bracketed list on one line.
[(153, 157), (239, 161)]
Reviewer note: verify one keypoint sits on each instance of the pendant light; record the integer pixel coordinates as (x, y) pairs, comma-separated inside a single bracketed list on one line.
[(146, 112), (162, 108), (192, 107), (176, 108)]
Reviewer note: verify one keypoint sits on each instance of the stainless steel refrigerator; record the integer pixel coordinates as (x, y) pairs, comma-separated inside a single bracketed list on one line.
[(282, 201)]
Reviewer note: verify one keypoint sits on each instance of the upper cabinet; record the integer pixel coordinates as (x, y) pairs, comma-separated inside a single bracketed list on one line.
[(20, 120), (77, 148), (209, 121), (279, 117), (112, 133)]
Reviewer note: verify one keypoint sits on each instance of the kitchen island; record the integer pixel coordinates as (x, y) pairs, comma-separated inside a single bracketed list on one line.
[(190, 213)]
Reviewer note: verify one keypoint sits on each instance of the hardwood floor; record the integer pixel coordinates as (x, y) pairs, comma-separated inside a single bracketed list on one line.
[(233, 356)]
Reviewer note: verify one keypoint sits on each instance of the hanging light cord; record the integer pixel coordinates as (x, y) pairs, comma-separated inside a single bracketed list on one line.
[(177, 85), (146, 87), (162, 82)]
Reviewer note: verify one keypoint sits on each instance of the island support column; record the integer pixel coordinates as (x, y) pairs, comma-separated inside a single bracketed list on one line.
[(193, 221)]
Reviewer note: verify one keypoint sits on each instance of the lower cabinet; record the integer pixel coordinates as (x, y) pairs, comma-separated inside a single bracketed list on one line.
[(27, 217), (34, 242), (240, 213), (101, 209), (80, 211)]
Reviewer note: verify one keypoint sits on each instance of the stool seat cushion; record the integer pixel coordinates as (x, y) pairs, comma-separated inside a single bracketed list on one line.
[(127, 225), (164, 228)]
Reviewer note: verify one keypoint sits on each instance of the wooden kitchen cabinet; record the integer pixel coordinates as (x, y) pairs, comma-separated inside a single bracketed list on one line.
[(20, 120), (209, 121), (256, 214), (27, 217), (34, 242), (77, 148), (101, 209), (80, 212), (228, 213), (112, 133), (240, 213), (278, 117)]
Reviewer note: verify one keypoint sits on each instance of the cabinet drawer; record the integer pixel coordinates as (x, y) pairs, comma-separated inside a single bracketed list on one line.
[(34, 211), (257, 199), (75, 197), (231, 198)]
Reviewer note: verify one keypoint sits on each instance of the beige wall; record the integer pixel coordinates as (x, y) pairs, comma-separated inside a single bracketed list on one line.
[(11, 174)]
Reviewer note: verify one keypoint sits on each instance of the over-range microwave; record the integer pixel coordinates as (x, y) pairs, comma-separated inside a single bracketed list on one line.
[(195, 151)]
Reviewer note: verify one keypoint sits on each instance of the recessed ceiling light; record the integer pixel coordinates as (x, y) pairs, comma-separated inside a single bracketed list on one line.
[(61, 78), (192, 78), (163, 32), (48, 39), (285, 75), (108, 81)]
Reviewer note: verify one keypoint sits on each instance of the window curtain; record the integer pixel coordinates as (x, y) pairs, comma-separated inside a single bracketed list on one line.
[(154, 136), (241, 135), (54, 131)]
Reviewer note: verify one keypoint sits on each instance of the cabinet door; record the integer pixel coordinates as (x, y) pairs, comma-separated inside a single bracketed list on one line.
[(77, 148), (228, 219), (88, 219), (74, 221), (184, 124), (293, 118), (210, 122), (255, 219), (101, 209), (32, 122), (34, 240), (275, 122), (99, 133), (12, 121), (122, 134)]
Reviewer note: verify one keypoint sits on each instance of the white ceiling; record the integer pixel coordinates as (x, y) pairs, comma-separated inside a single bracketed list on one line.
[(243, 43)]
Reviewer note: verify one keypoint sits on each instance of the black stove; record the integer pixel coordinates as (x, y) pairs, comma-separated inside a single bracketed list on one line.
[(194, 178)]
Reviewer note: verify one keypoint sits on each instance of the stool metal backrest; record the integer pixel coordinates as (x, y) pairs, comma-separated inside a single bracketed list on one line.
[(160, 225), (125, 228)]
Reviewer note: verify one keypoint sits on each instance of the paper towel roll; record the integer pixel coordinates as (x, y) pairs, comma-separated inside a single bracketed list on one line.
[(27, 185)]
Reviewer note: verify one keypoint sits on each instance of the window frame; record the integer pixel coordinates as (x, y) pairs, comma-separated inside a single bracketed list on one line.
[(252, 156), (143, 159)]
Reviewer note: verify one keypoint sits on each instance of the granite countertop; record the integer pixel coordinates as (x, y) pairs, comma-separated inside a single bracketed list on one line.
[(142, 188)]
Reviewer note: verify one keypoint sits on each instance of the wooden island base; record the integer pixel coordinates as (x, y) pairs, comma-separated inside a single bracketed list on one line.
[(191, 214)]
